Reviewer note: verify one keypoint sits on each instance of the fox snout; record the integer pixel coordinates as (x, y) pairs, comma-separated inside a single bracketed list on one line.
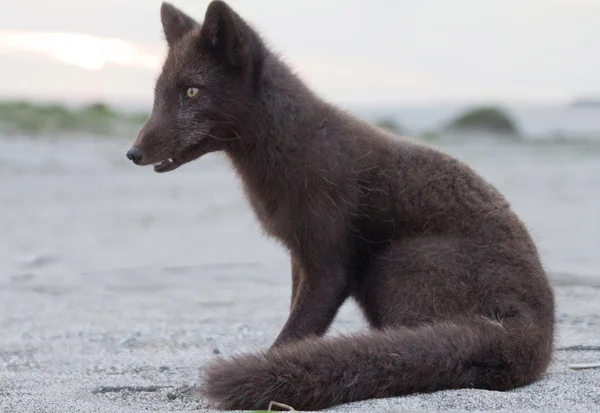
[(158, 144), (135, 155), (141, 149)]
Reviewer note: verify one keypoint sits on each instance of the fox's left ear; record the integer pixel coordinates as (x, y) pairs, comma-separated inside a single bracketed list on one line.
[(175, 23), (224, 31)]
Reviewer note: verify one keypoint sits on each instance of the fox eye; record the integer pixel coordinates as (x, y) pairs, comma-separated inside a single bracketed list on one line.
[(191, 92)]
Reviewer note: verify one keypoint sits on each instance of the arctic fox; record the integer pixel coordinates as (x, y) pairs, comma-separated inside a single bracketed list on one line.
[(448, 277)]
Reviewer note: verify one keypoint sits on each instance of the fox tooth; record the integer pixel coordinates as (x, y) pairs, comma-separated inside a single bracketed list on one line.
[(170, 159)]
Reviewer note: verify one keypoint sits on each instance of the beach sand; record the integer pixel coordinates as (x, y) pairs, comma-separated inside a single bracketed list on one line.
[(118, 285)]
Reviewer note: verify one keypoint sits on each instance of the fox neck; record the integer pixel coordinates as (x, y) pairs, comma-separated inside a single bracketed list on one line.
[(281, 124)]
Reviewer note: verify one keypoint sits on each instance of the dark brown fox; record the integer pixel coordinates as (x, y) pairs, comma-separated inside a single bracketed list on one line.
[(448, 277)]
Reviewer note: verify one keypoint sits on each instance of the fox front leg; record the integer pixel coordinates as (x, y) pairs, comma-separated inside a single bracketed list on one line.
[(319, 293), (296, 277)]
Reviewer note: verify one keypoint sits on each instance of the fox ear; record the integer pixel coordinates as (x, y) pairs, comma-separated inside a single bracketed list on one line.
[(175, 22), (227, 34)]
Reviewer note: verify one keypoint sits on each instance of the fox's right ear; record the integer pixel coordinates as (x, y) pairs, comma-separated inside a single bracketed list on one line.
[(227, 34), (175, 22)]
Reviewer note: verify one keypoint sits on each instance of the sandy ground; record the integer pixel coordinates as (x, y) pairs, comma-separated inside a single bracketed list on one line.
[(117, 285)]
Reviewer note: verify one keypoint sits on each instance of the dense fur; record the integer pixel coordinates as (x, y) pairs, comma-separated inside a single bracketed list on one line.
[(446, 274)]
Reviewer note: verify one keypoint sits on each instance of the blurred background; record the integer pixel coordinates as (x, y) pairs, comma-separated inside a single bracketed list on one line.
[(111, 274), (511, 87)]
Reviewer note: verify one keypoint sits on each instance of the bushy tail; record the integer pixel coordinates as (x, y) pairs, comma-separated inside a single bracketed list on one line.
[(318, 373)]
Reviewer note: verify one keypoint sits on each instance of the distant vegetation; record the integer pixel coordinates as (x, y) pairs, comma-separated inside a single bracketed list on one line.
[(31, 119), (390, 125), (22, 118), (485, 119)]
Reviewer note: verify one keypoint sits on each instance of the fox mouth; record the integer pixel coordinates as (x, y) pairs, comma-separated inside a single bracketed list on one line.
[(167, 165), (174, 162)]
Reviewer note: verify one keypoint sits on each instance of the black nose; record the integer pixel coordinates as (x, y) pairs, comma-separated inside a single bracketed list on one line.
[(135, 154)]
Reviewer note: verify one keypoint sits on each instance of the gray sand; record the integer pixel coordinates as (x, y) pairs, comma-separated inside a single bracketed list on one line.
[(118, 285)]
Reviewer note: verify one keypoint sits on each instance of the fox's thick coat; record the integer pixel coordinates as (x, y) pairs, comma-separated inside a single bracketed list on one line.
[(447, 275)]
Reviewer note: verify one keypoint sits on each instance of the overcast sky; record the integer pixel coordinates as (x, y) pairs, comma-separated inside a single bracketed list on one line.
[(350, 51)]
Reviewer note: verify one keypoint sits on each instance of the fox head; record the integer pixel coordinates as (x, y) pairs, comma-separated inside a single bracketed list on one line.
[(206, 87)]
